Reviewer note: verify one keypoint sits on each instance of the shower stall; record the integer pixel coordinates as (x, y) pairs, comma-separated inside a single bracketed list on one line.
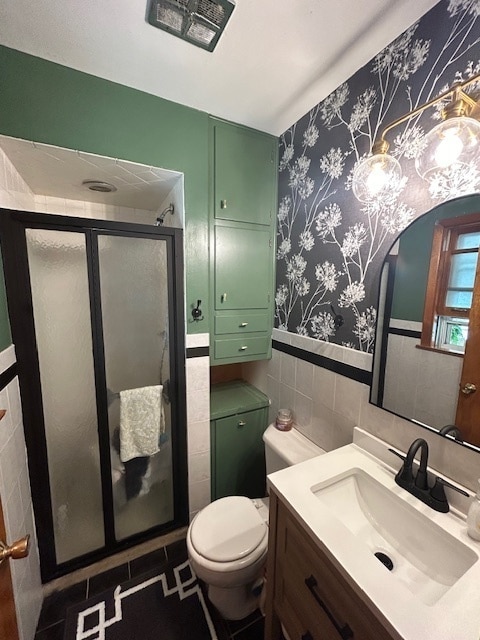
[(96, 309)]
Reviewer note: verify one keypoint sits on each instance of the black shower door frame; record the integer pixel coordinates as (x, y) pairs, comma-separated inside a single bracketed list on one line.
[(13, 226)]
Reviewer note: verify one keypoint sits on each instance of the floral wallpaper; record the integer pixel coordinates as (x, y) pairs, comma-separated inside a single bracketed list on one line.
[(330, 247)]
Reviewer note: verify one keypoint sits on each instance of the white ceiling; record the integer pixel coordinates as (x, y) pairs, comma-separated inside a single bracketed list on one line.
[(275, 60), (53, 171)]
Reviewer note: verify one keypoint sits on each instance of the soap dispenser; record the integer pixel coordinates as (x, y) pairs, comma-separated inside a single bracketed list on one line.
[(473, 517)]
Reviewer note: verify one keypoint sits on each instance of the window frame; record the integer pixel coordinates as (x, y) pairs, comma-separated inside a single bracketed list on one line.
[(444, 241)]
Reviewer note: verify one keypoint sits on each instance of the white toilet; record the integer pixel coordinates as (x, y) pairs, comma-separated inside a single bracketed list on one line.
[(227, 540)]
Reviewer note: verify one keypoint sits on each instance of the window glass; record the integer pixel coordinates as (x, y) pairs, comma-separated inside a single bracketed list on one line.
[(468, 240), (451, 333)]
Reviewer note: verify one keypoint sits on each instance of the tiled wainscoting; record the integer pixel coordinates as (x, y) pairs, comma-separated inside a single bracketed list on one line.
[(198, 420), (17, 502), (329, 400)]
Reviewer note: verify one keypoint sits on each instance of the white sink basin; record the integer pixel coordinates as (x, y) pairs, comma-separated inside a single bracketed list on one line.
[(426, 559)]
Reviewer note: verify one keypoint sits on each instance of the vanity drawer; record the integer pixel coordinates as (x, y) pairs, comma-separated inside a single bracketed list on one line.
[(307, 582), (242, 323), (241, 347)]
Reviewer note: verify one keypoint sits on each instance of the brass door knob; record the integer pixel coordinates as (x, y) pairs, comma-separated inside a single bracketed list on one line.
[(468, 388), (18, 549)]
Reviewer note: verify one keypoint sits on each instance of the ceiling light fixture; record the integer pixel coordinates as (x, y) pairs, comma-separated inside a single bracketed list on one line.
[(456, 140), (200, 22), (99, 185)]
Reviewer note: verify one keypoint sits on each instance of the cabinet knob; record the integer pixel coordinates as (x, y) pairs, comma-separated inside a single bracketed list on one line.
[(243, 324), (223, 204), (241, 423), (244, 348), (223, 297)]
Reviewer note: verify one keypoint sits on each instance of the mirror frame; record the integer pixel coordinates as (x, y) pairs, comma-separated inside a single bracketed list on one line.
[(463, 205)]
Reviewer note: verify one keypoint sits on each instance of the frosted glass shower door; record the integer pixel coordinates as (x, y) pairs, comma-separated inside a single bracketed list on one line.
[(58, 270), (134, 297)]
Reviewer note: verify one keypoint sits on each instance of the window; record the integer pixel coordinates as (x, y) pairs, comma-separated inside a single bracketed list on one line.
[(452, 283)]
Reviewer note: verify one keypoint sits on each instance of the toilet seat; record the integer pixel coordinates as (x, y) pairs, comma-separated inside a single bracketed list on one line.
[(229, 531)]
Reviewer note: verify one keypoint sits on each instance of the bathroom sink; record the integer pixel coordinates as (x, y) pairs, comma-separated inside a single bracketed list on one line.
[(425, 558)]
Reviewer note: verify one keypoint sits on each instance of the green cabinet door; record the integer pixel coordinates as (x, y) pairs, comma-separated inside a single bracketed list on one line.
[(239, 465), (243, 268), (244, 165)]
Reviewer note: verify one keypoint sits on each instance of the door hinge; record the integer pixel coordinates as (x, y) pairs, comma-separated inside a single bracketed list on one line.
[(270, 243)]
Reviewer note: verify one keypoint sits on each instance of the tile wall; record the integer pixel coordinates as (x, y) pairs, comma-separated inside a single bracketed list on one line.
[(419, 382), (328, 405), (14, 479), (198, 422)]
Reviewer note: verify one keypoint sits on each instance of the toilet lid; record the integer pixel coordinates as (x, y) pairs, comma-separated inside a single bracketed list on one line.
[(228, 529)]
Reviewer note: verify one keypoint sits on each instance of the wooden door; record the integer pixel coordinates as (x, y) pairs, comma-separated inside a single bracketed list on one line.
[(8, 619), (468, 406)]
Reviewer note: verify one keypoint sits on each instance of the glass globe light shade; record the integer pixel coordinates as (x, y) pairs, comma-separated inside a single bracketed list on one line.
[(455, 140), (373, 176)]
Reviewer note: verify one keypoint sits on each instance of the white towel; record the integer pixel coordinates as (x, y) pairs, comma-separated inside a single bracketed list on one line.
[(142, 420)]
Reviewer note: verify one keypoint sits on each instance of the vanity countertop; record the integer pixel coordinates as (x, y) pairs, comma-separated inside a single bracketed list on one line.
[(455, 614)]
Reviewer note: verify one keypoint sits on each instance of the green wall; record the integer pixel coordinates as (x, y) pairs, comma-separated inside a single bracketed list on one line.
[(413, 260), (49, 103)]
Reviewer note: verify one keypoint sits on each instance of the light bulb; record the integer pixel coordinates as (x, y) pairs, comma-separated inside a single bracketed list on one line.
[(377, 179), (449, 149), (453, 141), (373, 176)]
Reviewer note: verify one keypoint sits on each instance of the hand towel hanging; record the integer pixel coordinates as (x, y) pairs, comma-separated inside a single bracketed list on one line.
[(142, 421)]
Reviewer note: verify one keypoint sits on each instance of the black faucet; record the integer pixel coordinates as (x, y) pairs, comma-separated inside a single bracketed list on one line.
[(453, 430), (417, 485)]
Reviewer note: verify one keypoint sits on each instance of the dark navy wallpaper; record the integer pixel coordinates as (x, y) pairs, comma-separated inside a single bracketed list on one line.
[(330, 247)]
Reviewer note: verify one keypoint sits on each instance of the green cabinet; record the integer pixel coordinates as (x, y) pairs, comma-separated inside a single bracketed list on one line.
[(244, 186), (239, 416)]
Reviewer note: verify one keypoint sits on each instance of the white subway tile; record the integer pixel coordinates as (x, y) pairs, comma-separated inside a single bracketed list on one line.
[(7, 358), (194, 340), (199, 495), (304, 378), (199, 467), (198, 437), (198, 406), (198, 374)]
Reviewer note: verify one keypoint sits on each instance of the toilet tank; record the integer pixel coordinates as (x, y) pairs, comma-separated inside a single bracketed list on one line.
[(286, 448)]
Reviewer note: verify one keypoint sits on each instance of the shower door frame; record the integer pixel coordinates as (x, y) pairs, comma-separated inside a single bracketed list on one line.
[(13, 226)]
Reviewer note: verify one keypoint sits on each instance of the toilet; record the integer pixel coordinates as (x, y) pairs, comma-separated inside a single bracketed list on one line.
[(227, 540)]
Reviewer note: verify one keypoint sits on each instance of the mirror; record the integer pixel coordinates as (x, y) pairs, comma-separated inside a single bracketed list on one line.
[(416, 376)]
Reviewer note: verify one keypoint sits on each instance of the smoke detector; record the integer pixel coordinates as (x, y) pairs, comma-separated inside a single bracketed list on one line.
[(200, 22)]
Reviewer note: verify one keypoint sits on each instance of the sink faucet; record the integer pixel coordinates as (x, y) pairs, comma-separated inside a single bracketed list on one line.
[(405, 475), (417, 485), (451, 429)]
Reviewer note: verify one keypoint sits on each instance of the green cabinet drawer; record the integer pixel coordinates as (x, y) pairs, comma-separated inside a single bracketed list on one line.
[(241, 347), (239, 458), (242, 323)]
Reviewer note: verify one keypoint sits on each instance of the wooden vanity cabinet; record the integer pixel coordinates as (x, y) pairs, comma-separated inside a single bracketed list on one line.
[(305, 591)]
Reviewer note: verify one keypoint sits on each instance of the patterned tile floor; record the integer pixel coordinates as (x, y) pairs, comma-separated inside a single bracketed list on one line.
[(52, 617)]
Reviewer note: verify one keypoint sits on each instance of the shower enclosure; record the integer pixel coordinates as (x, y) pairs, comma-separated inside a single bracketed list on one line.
[(97, 320)]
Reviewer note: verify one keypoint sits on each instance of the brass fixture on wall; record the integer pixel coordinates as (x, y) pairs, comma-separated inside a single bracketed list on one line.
[(455, 140)]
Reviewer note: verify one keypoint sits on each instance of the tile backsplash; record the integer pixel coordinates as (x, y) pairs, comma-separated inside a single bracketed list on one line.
[(328, 405)]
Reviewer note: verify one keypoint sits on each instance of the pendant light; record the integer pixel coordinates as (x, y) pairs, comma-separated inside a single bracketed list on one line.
[(453, 142)]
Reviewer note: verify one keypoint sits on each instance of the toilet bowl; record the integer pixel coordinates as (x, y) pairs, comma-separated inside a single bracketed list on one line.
[(227, 540)]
